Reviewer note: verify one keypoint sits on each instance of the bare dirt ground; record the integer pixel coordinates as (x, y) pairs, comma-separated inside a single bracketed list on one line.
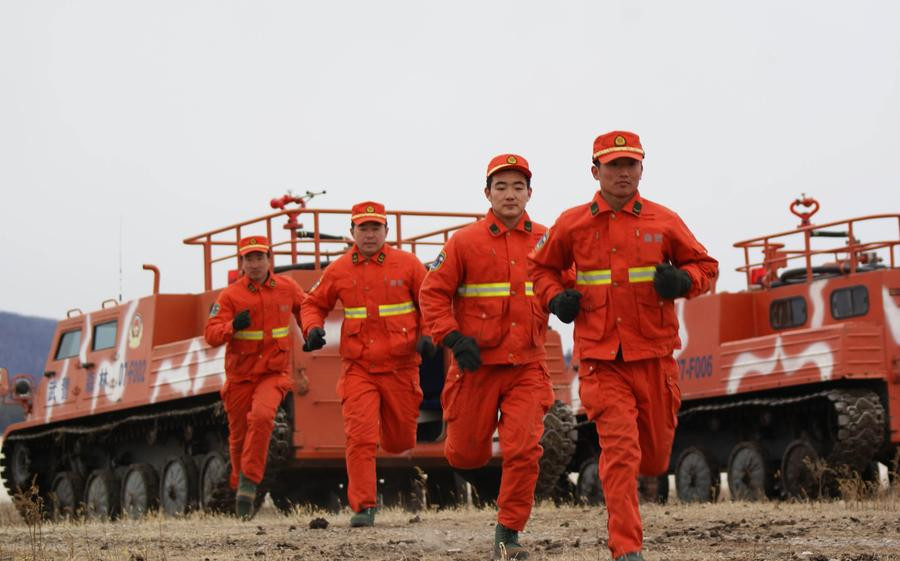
[(867, 530)]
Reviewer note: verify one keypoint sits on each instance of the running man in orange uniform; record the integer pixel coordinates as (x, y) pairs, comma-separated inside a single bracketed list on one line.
[(478, 300), (381, 343), (633, 258), (252, 318)]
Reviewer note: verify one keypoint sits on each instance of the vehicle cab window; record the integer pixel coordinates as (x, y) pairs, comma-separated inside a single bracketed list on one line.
[(69, 344), (849, 302), (104, 335), (787, 312)]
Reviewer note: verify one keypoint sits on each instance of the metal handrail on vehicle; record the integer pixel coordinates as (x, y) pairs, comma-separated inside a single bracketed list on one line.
[(302, 243), (848, 257)]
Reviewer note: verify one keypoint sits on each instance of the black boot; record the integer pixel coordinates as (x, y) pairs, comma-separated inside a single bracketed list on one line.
[(363, 518), (506, 545)]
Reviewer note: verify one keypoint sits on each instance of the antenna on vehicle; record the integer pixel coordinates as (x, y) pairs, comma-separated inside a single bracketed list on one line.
[(120, 257)]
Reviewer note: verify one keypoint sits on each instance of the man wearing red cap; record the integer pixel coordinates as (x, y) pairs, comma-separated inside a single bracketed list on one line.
[(478, 300), (381, 344), (633, 258), (252, 318)]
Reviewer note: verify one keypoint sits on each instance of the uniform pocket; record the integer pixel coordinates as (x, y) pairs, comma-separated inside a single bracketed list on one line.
[(671, 370), (450, 395), (402, 335), (482, 320), (657, 317), (351, 339), (591, 320), (244, 347)]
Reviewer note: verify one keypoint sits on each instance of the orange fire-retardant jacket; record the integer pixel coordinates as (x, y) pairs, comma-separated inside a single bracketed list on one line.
[(615, 255), (380, 297), (479, 286), (262, 347)]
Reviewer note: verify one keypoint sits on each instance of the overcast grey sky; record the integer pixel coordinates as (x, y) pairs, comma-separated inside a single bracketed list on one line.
[(178, 117)]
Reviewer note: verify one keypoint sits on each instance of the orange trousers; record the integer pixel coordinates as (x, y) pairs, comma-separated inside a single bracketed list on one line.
[(635, 407), (251, 407), (471, 400), (377, 407)]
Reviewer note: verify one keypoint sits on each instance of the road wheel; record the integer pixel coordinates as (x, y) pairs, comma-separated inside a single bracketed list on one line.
[(20, 467), (140, 491), (798, 463), (696, 480), (101, 495), (66, 494), (589, 488), (178, 488), (559, 441), (446, 489), (749, 478), (654, 489), (214, 472)]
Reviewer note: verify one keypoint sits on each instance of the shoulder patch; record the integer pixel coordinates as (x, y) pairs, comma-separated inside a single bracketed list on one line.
[(438, 261), (214, 310), (542, 241)]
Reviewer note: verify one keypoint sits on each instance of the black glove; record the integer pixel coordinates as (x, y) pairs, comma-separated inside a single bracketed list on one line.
[(425, 347), (465, 349), (315, 339), (671, 283), (241, 321), (566, 305)]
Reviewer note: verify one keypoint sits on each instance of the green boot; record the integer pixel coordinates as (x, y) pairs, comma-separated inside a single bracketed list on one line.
[(630, 557), (365, 517), (506, 545), (244, 498)]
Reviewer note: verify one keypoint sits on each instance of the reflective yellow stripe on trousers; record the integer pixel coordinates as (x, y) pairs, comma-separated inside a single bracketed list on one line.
[(604, 276)]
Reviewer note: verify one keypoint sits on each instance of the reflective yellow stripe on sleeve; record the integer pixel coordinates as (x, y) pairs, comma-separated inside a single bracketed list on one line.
[(599, 276), (355, 313), (484, 290), (641, 274), (247, 335), (386, 310), (280, 332), (529, 288)]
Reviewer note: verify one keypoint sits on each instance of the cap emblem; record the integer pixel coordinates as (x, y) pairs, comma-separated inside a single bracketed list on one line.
[(252, 241), (370, 208), (620, 140), (511, 160)]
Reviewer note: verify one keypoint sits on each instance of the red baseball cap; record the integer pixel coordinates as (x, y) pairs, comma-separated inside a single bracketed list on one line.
[(253, 243), (508, 161), (617, 144), (368, 211)]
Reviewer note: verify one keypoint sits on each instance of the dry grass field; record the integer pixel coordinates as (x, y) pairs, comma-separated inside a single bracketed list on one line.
[(864, 529)]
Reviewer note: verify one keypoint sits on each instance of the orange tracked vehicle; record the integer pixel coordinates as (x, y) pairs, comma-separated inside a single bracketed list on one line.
[(127, 417)]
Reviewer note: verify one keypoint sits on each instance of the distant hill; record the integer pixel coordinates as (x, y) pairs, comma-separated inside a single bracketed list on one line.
[(24, 342)]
